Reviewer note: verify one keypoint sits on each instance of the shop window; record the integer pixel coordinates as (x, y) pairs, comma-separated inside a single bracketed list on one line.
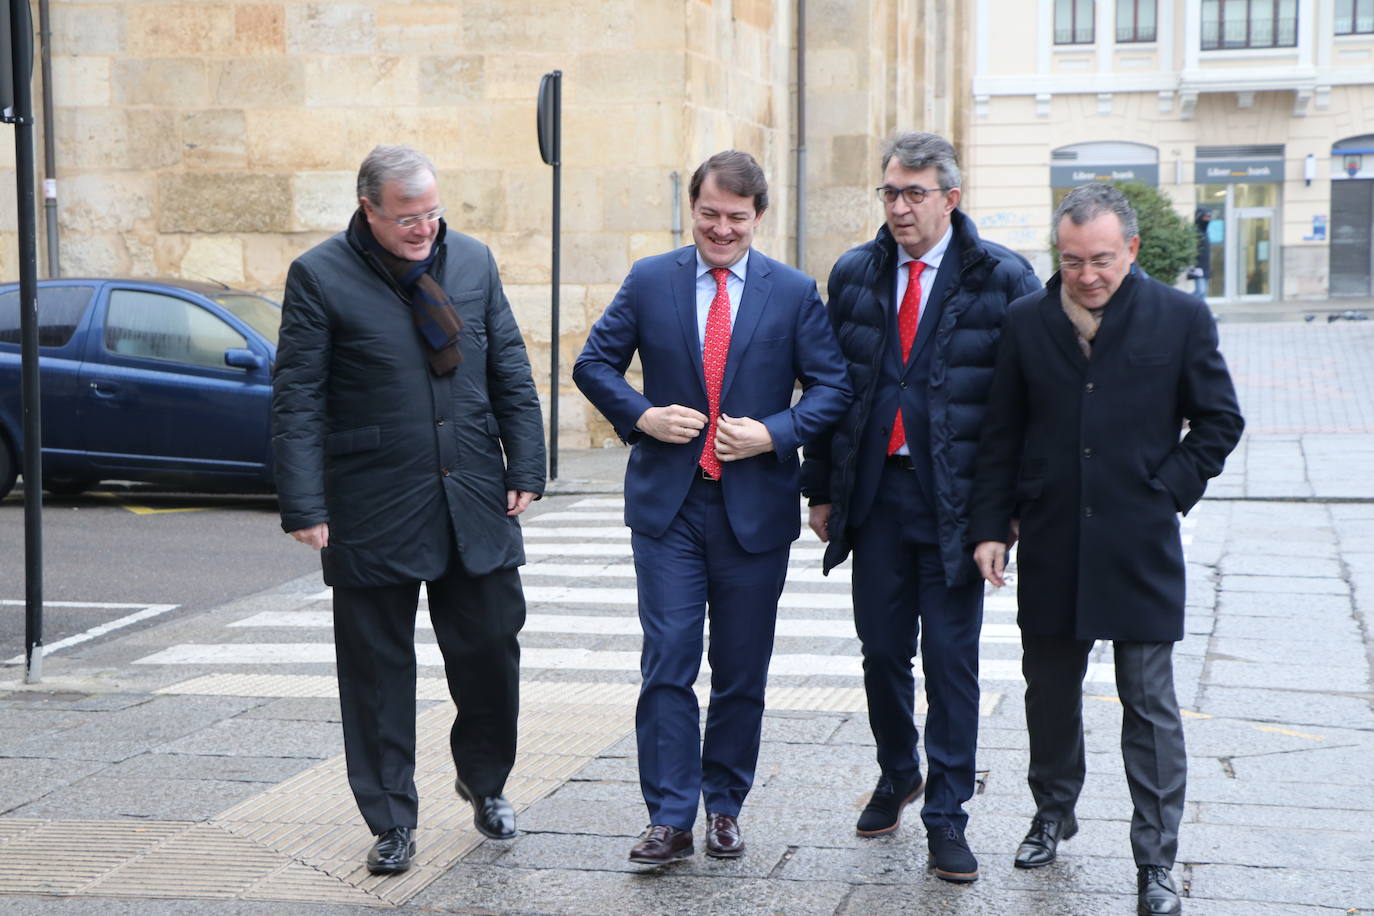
[(1354, 17), (1073, 22), (1230, 24), (1135, 20)]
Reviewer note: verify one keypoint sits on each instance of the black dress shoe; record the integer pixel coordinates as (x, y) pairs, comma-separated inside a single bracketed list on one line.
[(1042, 841), (392, 852), (492, 815), (950, 856), (883, 813), (1155, 894), (662, 844), (723, 839)]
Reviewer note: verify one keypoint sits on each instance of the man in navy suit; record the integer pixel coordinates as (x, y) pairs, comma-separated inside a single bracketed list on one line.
[(711, 489), (918, 311)]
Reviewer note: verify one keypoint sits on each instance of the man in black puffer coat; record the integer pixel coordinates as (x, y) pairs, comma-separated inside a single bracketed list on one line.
[(892, 485)]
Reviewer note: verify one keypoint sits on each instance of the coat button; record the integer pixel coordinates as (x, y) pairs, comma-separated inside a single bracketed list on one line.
[(443, 472), (1088, 512), (1088, 387), (438, 421), (902, 386), (1087, 453)]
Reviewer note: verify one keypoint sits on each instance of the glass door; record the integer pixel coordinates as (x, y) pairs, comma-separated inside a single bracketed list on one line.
[(1243, 249)]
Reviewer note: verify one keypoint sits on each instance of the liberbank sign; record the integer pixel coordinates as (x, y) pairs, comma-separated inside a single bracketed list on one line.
[(1236, 171), (1071, 176)]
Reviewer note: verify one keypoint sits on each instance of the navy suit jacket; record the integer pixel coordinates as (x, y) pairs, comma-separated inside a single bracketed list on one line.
[(780, 336)]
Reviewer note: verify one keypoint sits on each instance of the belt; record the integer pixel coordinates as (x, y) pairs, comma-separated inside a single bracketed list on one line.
[(701, 472), (901, 461)]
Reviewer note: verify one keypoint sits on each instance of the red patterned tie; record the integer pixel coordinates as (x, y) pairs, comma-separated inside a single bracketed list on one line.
[(713, 353), (908, 316)]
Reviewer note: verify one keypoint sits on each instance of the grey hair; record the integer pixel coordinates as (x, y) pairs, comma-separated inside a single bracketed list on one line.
[(917, 150), (394, 163), (1087, 202)]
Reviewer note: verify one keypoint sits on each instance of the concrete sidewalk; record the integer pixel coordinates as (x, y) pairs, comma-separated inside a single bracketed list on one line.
[(124, 790)]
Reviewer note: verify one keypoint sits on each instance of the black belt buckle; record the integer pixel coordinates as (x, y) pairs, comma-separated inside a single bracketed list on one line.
[(901, 461), (706, 475)]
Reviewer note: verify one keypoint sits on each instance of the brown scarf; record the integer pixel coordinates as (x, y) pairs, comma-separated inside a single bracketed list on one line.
[(434, 315), (1086, 321)]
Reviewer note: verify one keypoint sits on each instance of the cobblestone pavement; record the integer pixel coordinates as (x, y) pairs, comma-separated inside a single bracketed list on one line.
[(193, 766)]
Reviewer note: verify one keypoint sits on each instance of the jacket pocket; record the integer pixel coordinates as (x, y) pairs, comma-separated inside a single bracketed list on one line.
[(348, 441), (771, 343), (1146, 360)]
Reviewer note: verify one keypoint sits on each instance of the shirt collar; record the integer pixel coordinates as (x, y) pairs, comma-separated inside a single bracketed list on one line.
[(932, 257), (739, 268)]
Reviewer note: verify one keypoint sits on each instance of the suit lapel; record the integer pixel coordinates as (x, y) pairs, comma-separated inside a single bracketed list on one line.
[(1058, 326), (684, 281), (758, 285), (1116, 316)]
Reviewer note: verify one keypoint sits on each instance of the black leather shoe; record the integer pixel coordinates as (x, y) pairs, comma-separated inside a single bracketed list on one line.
[(1155, 893), (492, 815), (883, 814), (950, 855), (1042, 841), (723, 839), (662, 844), (392, 852)]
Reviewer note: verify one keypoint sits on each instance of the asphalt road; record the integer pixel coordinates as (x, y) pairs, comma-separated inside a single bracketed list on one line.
[(141, 548)]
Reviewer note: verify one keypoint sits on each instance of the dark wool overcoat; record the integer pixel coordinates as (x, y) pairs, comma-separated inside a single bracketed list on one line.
[(1087, 453), (961, 364), (402, 464)]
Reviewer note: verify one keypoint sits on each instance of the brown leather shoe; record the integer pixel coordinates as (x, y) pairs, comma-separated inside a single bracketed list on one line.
[(661, 844), (723, 840)]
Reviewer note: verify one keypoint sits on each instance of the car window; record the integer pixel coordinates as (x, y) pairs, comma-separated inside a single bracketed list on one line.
[(154, 326), (59, 312), (262, 315)]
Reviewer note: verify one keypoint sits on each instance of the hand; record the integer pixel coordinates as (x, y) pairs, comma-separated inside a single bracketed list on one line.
[(819, 520), (1015, 533), (316, 536), (674, 423), (991, 557), (518, 501), (741, 437)]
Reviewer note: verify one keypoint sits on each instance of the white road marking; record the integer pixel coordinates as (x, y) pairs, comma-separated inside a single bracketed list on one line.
[(147, 612)]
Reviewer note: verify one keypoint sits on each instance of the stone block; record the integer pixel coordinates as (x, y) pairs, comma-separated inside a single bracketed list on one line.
[(637, 199), (95, 203), (756, 13), (323, 201), (218, 258), (86, 29), (142, 256), (451, 79), (632, 75), (213, 139), (474, 200), (331, 28), (531, 305), (92, 256), (702, 81), (81, 81), (178, 82), (169, 30), (418, 28), (259, 29), (523, 257), (515, 77), (267, 257), (372, 82), (661, 25), (529, 195), (223, 202), (258, 82), (314, 139), (594, 258)]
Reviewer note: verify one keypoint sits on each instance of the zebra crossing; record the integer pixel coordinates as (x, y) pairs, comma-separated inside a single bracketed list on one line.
[(582, 621)]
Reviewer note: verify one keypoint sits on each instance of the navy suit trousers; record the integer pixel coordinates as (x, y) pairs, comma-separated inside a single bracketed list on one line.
[(696, 565), (900, 600)]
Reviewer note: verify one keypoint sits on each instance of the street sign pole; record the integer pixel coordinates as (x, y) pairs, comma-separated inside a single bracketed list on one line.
[(549, 120), (19, 112)]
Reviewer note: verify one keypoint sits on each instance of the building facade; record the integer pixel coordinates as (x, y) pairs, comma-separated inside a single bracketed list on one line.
[(1259, 111)]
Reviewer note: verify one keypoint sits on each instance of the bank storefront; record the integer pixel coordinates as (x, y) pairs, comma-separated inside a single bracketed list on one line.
[(1115, 163), (1352, 217), (1240, 186)]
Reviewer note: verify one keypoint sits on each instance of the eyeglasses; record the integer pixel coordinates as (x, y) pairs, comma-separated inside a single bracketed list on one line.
[(410, 222), (1074, 265), (913, 195)]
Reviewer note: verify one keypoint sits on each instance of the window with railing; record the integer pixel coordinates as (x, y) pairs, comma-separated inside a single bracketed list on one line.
[(1354, 17), (1249, 24), (1135, 20), (1073, 22)]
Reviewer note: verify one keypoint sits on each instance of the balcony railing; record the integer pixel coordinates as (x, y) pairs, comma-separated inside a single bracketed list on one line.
[(1251, 33)]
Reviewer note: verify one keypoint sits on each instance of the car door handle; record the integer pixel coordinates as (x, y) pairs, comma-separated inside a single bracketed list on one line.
[(104, 388)]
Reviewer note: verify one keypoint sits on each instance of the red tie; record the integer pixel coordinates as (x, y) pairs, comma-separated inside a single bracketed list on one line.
[(713, 353), (908, 316)]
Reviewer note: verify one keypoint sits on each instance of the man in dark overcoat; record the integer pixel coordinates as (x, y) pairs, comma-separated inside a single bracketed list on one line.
[(408, 437), (917, 311), (1096, 378)]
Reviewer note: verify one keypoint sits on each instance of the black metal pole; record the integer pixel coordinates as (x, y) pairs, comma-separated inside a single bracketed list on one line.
[(21, 32), (49, 142), (557, 218), (801, 136)]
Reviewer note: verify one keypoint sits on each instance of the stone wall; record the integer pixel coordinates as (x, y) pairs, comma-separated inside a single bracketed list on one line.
[(219, 139)]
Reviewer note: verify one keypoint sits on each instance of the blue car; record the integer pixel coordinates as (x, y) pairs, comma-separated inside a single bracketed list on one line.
[(162, 381)]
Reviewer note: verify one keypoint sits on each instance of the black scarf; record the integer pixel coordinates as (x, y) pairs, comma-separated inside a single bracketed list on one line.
[(434, 315)]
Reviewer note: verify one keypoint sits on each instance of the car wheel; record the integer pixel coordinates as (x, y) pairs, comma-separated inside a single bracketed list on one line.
[(67, 486), (8, 467)]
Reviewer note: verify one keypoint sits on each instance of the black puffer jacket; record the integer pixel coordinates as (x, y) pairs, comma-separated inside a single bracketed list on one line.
[(960, 375), (370, 441)]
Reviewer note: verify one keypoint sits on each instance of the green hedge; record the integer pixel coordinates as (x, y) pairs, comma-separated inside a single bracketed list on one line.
[(1168, 243)]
